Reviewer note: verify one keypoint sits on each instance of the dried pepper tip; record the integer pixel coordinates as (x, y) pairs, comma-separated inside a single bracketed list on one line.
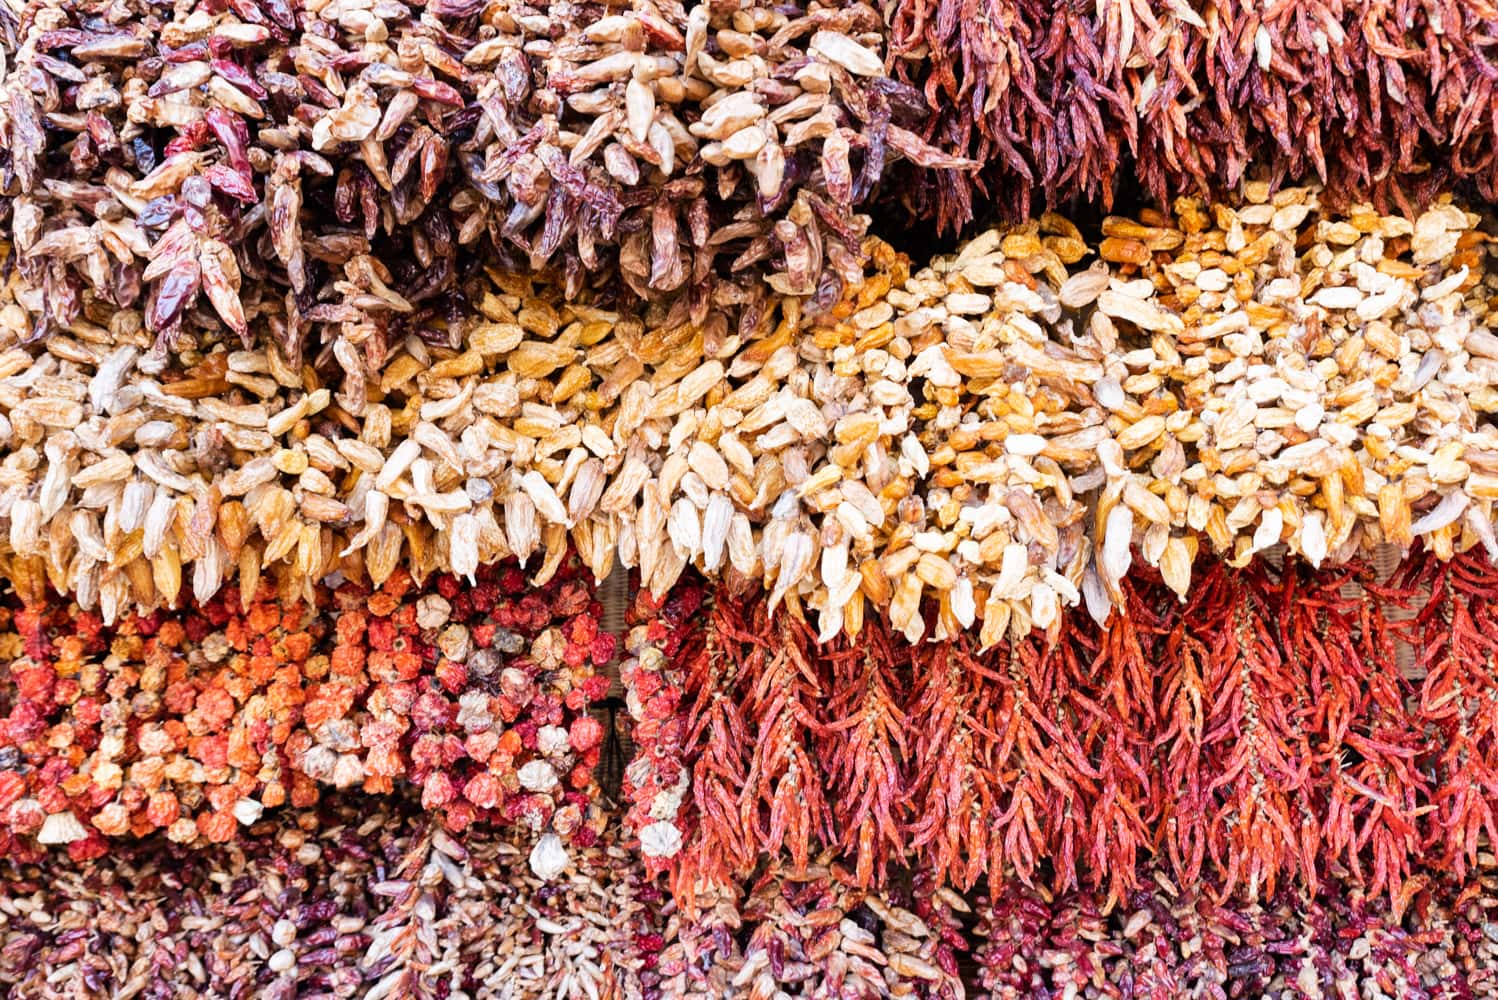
[(194, 722)]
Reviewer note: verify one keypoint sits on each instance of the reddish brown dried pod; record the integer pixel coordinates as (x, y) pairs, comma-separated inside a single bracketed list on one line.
[(349, 158), (1076, 99), (1194, 939), (354, 897)]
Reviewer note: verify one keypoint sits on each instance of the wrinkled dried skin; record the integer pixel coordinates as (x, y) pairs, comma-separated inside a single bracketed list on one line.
[(352, 898), (347, 161), (976, 445), (1064, 101), (195, 722)]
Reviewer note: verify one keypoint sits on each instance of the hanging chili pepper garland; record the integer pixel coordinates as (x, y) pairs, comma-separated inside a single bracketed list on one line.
[(1260, 733)]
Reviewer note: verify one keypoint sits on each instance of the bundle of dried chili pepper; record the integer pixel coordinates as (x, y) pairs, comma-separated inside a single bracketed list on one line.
[(1174, 938), (1068, 100), (1453, 632), (811, 931), (1260, 733), (195, 721), (350, 157)]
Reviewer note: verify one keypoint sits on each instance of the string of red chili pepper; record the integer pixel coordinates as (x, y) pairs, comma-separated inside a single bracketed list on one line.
[(1260, 733)]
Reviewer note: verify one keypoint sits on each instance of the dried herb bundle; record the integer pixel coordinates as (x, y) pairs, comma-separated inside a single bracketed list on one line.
[(1061, 100), (346, 159), (196, 721), (1260, 735), (1000, 430)]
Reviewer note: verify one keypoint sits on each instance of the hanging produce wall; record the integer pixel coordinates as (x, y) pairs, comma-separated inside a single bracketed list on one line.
[(744, 500)]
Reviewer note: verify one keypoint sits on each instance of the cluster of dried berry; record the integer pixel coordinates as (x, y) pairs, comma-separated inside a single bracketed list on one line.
[(1261, 733), (195, 721), (1075, 98), (658, 778)]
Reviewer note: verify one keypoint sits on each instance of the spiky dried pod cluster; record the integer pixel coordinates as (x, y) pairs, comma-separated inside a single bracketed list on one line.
[(1060, 100), (348, 159), (1001, 430), (1261, 734), (1175, 939), (357, 897), (195, 721)]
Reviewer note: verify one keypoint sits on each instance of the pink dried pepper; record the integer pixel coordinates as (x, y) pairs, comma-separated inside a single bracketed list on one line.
[(195, 720)]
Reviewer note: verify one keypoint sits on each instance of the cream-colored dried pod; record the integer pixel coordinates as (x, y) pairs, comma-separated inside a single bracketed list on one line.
[(208, 571), (376, 510), (432, 438), (587, 488), (743, 555), (1313, 537), (554, 537), (463, 546), (383, 554), (1175, 565), (25, 527), (398, 462), (522, 533), (684, 528), (134, 502), (284, 543), (166, 573), (797, 556), (905, 608), (157, 523), (57, 484), (548, 504), (1115, 553), (639, 106), (249, 574), (716, 521), (114, 597)]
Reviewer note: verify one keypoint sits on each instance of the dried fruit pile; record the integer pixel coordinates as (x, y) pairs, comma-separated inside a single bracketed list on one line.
[(1259, 735), (1179, 940), (344, 900), (196, 721), (1059, 100), (1005, 431)]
